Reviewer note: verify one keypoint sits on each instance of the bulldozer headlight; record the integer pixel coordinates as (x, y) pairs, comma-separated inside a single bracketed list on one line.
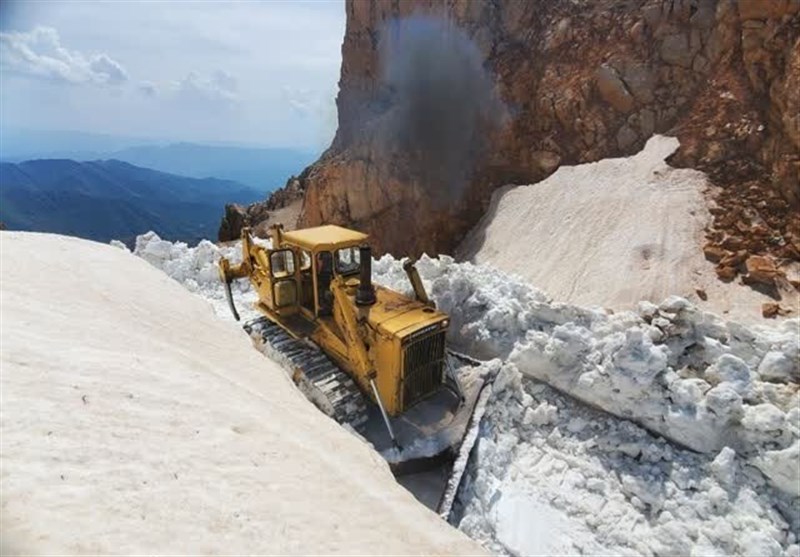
[(445, 323)]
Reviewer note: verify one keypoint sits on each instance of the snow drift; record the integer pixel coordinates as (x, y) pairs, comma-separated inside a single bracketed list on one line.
[(553, 476), (683, 373), (134, 421), (611, 233)]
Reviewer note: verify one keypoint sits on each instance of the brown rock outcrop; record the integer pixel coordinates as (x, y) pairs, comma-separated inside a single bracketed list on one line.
[(258, 215), (235, 218), (580, 81)]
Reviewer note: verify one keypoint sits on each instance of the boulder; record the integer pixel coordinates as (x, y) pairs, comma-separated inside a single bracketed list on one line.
[(733, 243), (626, 137), (726, 274), (547, 160), (701, 294), (234, 219), (713, 253), (770, 310), (761, 270), (734, 259), (613, 90), (675, 50), (640, 81)]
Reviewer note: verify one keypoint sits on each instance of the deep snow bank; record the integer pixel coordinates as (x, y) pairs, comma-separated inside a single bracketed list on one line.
[(611, 233), (134, 421), (551, 476), (686, 374), (196, 269)]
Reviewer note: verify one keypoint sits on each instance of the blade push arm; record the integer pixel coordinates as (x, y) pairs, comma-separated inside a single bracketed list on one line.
[(226, 275), (228, 272), (355, 343)]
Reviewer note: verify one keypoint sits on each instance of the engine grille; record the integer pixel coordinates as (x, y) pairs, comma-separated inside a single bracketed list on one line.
[(423, 368)]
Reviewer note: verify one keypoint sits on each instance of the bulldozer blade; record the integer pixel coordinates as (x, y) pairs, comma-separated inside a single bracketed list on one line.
[(465, 450), (229, 297)]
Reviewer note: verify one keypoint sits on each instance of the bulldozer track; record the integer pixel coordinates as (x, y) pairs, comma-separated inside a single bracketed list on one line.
[(318, 377)]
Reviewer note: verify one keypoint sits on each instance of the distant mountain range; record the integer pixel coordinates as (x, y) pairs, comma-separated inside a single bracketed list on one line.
[(112, 199), (262, 168)]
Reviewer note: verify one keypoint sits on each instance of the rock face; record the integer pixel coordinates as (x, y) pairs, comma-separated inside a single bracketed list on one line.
[(258, 215), (578, 82)]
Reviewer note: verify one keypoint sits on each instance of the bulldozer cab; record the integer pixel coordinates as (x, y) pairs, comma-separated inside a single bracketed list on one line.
[(294, 276), (323, 253)]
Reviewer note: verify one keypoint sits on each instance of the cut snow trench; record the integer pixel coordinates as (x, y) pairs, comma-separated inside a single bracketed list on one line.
[(680, 372)]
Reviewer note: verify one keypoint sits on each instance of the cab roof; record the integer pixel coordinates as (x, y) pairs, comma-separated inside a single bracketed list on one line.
[(323, 238)]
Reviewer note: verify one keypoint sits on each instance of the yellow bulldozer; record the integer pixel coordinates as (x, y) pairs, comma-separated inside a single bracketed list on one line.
[(368, 356)]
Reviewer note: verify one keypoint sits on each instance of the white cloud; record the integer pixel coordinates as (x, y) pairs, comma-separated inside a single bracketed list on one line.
[(219, 86), (39, 53), (114, 73), (264, 45), (148, 88)]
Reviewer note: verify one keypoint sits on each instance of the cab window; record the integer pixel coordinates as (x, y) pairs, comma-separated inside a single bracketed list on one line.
[(348, 261), (282, 263)]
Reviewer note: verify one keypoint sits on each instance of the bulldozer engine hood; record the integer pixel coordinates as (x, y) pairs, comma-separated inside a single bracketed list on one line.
[(396, 315)]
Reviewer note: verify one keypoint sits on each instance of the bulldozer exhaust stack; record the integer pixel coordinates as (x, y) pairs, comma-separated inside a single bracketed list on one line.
[(365, 296)]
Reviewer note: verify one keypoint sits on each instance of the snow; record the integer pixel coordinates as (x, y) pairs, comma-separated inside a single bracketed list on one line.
[(683, 373), (524, 523), (611, 487), (196, 269), (612, 233), (690, 379), (134, 421), (679, 434)]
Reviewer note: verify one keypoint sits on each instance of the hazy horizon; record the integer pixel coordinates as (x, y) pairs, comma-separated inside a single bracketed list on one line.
[(238, 74)]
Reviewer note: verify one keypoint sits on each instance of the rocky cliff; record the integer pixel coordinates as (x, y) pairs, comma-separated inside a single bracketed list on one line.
[(575, 82)]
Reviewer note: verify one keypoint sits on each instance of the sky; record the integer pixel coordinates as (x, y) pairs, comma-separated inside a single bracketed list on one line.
[(249, 73)]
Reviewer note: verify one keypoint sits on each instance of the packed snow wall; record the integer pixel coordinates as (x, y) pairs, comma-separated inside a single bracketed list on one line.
[(133, 421)]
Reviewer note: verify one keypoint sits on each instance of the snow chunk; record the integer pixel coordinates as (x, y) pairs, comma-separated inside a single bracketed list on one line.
[(120, 245), (730, 369), (542, 415), (779, 367), (724, 467), (529, 527), (763, 418), (782, 468)]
